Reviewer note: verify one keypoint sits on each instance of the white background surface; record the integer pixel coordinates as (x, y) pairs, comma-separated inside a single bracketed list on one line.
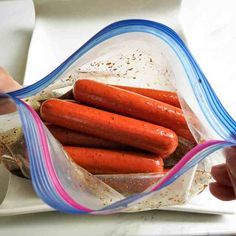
[(17, 18), (210, 29), (63, 26)]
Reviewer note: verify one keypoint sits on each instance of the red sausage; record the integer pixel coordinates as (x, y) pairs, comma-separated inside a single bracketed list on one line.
[(110, 126), (103, 161), (184, 146), (168, 97), (131, 104), (73, 138)]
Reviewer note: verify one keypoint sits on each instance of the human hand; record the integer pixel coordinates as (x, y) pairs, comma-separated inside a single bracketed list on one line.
[(7, 83), (225, 176)]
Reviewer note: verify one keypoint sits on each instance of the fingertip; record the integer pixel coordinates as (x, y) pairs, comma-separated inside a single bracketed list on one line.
[(216, 169), (222, 192)]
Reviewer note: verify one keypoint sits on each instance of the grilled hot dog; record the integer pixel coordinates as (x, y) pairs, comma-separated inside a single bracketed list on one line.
[(110, 126), (131, 104)]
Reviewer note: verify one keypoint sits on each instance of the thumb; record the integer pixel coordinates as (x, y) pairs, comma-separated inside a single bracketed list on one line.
[(7, 83), (231, 165)]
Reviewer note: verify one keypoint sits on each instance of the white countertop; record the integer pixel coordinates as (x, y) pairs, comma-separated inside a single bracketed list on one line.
[(138, 224), (17, 20)]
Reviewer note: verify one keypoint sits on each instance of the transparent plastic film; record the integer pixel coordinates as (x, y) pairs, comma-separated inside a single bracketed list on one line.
[(133, 53), (13, 150), (38, 161)]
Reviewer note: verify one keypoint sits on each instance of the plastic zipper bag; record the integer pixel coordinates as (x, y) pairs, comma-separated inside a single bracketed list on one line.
[(134, 53)]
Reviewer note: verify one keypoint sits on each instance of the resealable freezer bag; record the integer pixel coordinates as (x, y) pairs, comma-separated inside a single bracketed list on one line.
[(134, 53)]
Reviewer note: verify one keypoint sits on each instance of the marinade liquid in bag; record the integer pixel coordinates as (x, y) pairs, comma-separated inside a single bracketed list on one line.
[(133, 53)]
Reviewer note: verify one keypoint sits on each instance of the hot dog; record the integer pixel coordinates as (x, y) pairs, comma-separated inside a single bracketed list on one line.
[(103, 161), (131, 104), (184, 146), (168, 97), (72, 138), (110, 126)]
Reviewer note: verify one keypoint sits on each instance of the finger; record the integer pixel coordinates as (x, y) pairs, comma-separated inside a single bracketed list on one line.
[(7, 105), (220, 174), (7, 83), (231, 165), (231, 161), (222, 192)]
